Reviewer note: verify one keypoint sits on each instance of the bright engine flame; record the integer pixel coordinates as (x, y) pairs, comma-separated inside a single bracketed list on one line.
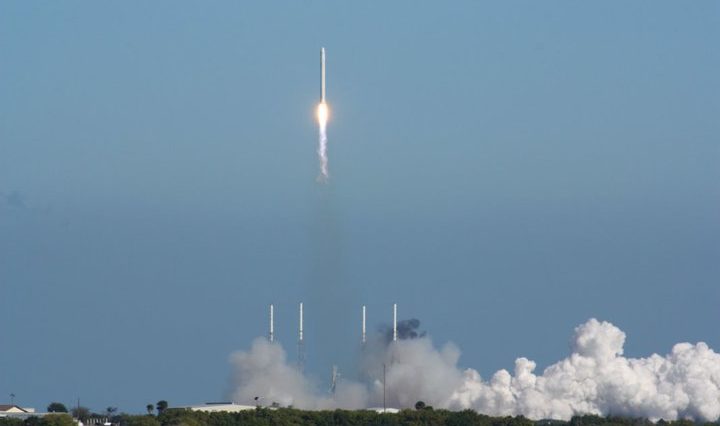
[(322, 114)]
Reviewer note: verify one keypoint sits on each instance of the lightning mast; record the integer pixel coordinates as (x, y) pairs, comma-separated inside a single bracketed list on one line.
[(395, 336), (271, 334)]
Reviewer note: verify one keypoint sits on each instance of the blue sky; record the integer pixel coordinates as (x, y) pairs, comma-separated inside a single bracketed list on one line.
[(502, 170)]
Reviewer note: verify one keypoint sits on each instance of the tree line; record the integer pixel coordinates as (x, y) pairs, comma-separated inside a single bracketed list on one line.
[(423, 416), (84, 413)]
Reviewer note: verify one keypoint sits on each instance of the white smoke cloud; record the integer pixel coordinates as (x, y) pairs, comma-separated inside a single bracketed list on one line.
[(264, 372), (597, 379), (594, 379)]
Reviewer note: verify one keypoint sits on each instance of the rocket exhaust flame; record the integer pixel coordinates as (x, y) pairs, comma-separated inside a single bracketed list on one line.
[(322, 116), (322, 143)]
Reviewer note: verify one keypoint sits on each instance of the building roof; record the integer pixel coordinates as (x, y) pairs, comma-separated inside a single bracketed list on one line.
[(213, 407), (11, 407)]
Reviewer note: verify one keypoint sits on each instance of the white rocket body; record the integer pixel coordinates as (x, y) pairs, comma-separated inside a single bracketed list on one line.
[(300, 328), (364, 338), (322, 75)]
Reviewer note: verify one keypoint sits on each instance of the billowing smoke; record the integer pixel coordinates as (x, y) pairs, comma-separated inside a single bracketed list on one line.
[(263, 375), (594, 379)]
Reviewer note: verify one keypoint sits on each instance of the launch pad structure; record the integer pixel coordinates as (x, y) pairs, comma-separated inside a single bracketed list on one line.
[(301, 331)]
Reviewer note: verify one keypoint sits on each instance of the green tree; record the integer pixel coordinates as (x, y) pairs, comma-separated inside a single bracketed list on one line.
[(56, 407), (162, 405), (183, 417), (110, 411), (587, 420), (420, 405), (141, 421), (464, 418), (10, 421), (57, 420), (80, 413), (32, 421), (150, 409)]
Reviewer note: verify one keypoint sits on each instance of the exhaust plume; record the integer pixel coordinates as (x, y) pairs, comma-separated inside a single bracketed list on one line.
[(322, 114), (594, 379)]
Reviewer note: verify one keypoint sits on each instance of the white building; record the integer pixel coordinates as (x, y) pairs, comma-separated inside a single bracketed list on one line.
[(12, 410), (212, 407)]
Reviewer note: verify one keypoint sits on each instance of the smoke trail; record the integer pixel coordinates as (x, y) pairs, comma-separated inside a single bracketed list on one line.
[(594, 379), (322, 153), (322, 113)]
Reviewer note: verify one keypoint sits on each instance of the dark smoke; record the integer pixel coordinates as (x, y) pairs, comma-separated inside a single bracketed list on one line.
[(407, 329)]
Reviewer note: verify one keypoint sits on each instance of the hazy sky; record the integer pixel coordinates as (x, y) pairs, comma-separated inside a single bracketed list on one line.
[(504, 171)]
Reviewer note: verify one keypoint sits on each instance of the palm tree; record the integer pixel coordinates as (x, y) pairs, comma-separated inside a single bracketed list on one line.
[(150, 409), (162, 405), (110, 411)]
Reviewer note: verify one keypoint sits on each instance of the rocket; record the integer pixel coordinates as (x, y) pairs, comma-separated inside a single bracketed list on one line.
[(322, 75), (322, 117)]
